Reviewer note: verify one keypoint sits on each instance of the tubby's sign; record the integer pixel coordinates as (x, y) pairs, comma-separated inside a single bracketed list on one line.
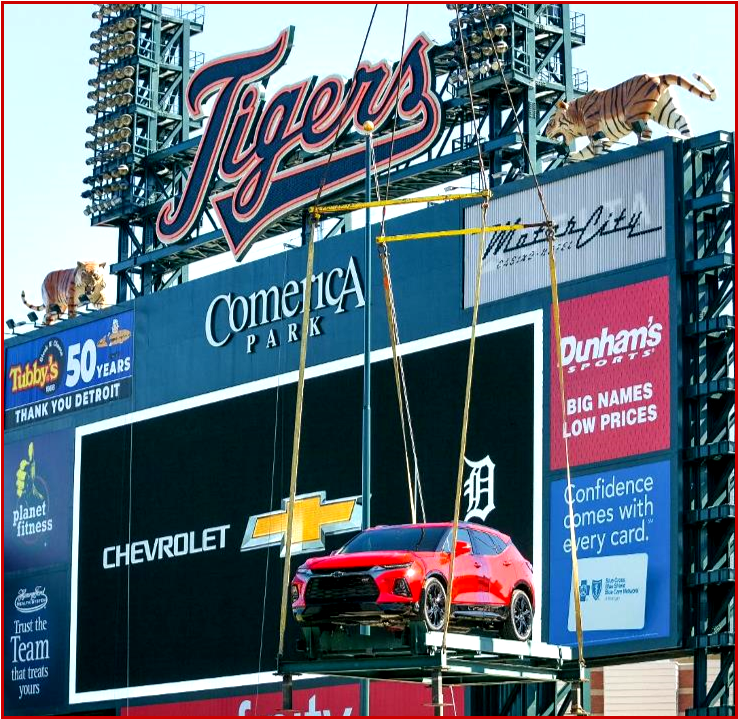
[(78, 368), (275, 156)]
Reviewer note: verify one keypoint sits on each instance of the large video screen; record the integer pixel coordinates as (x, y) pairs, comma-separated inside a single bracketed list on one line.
[(171, 582)]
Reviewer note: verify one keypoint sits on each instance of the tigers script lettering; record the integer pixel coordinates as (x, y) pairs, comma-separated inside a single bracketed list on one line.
[(264, 152)]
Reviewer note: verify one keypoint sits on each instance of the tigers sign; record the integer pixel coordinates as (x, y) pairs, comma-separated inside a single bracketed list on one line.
[(274, 156)]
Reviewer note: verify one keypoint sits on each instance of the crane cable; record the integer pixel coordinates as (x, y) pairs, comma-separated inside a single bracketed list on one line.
[(472, 344), (301, 373), (551, 239), (413, 476)]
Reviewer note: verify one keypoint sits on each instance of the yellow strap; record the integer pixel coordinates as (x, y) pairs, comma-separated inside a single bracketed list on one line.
[(352, 206), (394, 337), (296, 436), (451, 233), (562, 393), (465, 424)]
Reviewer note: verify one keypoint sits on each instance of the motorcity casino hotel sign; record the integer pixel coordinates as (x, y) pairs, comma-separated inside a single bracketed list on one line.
[(267, 153), (78, 368)]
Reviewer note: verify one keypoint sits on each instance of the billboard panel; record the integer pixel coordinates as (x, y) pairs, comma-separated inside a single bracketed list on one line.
[(607, 218), (386, 699), (37, 492), (615, 351), (85, 366), (164, 555), (623, 523), (35, 625)]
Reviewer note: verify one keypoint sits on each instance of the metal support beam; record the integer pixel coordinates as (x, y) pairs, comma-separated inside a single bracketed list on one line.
[(708, 296), (287, 692), (437, 693)]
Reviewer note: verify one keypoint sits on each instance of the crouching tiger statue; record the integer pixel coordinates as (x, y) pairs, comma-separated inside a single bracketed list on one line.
[(612, 112), (65, 287)]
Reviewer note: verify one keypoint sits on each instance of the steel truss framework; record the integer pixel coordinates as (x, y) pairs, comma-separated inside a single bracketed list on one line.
[(539, 72), (708, 297)]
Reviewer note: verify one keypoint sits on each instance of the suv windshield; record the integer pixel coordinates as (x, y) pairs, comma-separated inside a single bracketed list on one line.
[(401, 539)]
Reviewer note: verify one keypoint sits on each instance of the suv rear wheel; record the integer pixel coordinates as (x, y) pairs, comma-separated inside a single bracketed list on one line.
[(519, 623)]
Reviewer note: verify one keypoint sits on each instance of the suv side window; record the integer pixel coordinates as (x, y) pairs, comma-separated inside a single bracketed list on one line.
[(462, 536), (487, 544), (501, 543)]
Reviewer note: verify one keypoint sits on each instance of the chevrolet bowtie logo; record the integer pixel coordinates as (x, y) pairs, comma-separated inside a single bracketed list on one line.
[(313, 518)]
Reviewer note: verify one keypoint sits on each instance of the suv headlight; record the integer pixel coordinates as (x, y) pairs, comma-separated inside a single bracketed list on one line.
[(383, 567)]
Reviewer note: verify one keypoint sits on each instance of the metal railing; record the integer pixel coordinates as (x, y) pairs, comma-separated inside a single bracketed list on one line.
[(578, 24), (194, 15)]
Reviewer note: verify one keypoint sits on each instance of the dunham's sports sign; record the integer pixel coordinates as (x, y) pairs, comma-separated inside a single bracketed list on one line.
[(616, 359), (267, 152)]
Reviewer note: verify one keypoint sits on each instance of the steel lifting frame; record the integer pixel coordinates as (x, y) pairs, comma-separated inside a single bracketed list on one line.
[(708, 334), (538, 673)]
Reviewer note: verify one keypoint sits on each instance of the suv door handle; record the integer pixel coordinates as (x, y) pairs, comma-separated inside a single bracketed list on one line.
[(477, 564), (506, 563)]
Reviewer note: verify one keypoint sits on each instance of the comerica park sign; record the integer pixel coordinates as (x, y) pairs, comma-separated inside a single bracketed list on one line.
[(251, 144)]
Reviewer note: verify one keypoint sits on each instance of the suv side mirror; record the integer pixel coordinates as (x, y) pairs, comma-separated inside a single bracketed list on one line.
[(462, 548)]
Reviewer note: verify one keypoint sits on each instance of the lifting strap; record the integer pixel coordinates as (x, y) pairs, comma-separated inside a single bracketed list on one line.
[(472, 344), (413, 477), (464, 426), (414, 486), (315, 215), (296, 435), (551, 237)]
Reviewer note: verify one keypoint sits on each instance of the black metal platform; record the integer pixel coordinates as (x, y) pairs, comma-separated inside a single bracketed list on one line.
[(419, 656), (467, 659)]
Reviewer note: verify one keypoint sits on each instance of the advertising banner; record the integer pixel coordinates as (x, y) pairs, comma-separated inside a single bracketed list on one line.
[(179, 550), (606, 219), (385, 698), (35, 624), (37, 507), (78, 368), (615, 352), (623, 524)]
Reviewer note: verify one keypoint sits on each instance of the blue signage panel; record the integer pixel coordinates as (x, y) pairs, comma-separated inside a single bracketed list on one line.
[(35, 641), (37, 492), (623, 526), (78, 368)]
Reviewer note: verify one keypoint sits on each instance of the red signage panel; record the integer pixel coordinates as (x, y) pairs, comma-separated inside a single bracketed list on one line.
[(386, 699), (615, 355)]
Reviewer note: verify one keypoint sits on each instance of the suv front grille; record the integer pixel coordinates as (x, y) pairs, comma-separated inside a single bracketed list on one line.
[(345, 587)]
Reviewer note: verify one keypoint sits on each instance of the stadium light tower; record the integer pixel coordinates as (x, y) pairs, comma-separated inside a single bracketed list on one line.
[(523, 47), (144, 62)]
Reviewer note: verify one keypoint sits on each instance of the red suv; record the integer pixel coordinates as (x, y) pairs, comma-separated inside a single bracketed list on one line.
[(389, 575)]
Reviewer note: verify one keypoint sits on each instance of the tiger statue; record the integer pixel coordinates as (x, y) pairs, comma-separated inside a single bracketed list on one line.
[(65, 287), (613, 112)]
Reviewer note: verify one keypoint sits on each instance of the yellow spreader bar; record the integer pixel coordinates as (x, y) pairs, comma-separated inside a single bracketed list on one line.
[(449, 233), (352, 206)]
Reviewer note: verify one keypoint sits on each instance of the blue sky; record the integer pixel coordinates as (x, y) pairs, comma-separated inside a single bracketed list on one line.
[(46, 67)]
